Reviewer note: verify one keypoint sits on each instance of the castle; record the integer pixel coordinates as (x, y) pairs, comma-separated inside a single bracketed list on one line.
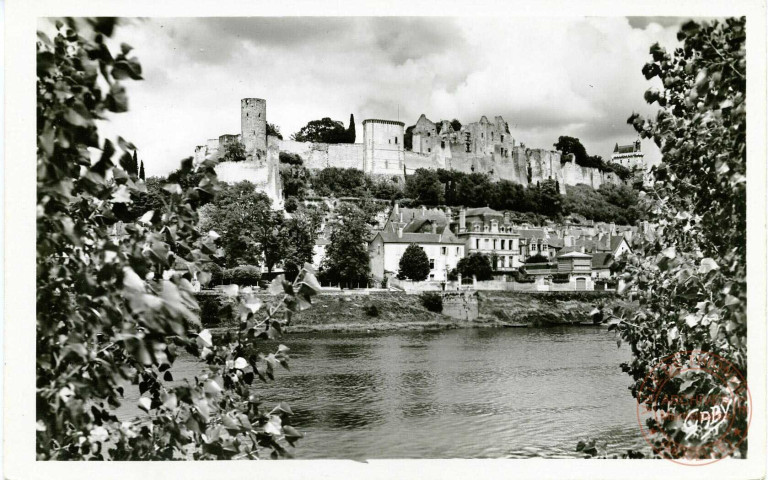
[(483, 147)]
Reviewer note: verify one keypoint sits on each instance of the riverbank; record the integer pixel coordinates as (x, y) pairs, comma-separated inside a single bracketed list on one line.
[(389, 311)]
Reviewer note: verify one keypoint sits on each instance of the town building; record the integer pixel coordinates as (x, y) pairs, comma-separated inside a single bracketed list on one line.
[(577, 268), (427, 228), (491, 233)]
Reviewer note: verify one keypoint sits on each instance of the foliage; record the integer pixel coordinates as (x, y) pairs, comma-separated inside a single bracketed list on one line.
[(414, 264), (549, 199), (475, 264), (295, 180), (109, 312), (346, 259), (425, 187), (371, 310), (689, 270), (243, 218), (254, 234), (322, 131), (210, 310), (432, 301), (291, 158), (141, 171), (234, 152), (610, 203), (455, 125), (387, 189), (351, 135), (340, 182), (243, 275), (274, 131), (538, 258), (571, 145)]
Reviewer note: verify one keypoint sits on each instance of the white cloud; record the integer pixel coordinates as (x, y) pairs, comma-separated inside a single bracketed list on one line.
[(547, 77)]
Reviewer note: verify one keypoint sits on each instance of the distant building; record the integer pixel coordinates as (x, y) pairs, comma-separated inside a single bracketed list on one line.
[(631, 157)]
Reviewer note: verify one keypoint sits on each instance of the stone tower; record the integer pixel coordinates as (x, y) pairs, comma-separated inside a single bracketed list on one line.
[(253, 127)]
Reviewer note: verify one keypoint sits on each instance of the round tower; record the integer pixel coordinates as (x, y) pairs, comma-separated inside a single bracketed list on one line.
[(253, 126)]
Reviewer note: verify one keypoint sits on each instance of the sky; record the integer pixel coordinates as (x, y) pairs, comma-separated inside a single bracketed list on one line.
[(546, 76)]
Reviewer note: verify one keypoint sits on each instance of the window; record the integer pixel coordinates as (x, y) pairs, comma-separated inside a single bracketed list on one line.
[(378, 250), (442, 143), (502, 138), (444, 250), (431, 263), (491, 135), (429, 150), (477, 244), (429, 134), (395, 140), (502, 244), (468, 152), (389, 141), (457, 251)]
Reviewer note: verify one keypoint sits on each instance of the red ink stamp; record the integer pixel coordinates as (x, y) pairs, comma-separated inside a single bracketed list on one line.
[(694, 408)]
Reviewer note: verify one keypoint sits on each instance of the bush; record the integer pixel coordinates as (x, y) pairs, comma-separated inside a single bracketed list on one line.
[(371, 310), (560, 278), (432, 301), (209, 310), (538, 258), (243, 275)]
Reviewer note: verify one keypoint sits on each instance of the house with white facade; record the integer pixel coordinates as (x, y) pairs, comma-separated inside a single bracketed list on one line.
[(427, 228)]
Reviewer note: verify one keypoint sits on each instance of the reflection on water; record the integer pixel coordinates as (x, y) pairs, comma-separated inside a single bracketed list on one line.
[(475, 393)]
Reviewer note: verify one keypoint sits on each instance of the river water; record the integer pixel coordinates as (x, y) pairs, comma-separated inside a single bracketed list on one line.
[(466, 393)]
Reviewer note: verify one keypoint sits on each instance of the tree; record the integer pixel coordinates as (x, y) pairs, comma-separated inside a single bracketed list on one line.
[(340, 182), (274, 131), (322, 131), (569, 145), (475, 190), (111, 312), (141, 171), (414, 264), (689, 266), (346, 259), (351, 129), (424, 186), (234, 152), (250, 230), (475, 264), (550, 200), (298, 237)]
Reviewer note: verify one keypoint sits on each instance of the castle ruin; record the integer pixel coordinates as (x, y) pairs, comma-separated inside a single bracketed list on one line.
[(483, 147)]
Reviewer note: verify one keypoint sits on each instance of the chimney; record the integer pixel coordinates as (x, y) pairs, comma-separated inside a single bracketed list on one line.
[(462, 220), (400, 231), (568, 241), (448, 212), (396, 209), (434, 227), (423, 211), (401, 217)]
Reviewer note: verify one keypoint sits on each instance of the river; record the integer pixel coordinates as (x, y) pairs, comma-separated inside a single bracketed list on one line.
[(465, 393)]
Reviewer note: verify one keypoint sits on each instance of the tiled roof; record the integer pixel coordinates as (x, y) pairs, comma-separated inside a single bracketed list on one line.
[(443, 236), (602, 260), (474, 212), (574, 255), (533, 233)]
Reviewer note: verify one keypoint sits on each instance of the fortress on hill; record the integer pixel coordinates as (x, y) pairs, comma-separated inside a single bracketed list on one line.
[(482, 146)]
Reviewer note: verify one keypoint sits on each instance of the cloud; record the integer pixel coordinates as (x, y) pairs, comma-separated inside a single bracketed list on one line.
[(547, 77)]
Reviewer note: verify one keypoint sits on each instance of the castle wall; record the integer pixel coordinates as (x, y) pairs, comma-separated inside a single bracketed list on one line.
[(317, 156)]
